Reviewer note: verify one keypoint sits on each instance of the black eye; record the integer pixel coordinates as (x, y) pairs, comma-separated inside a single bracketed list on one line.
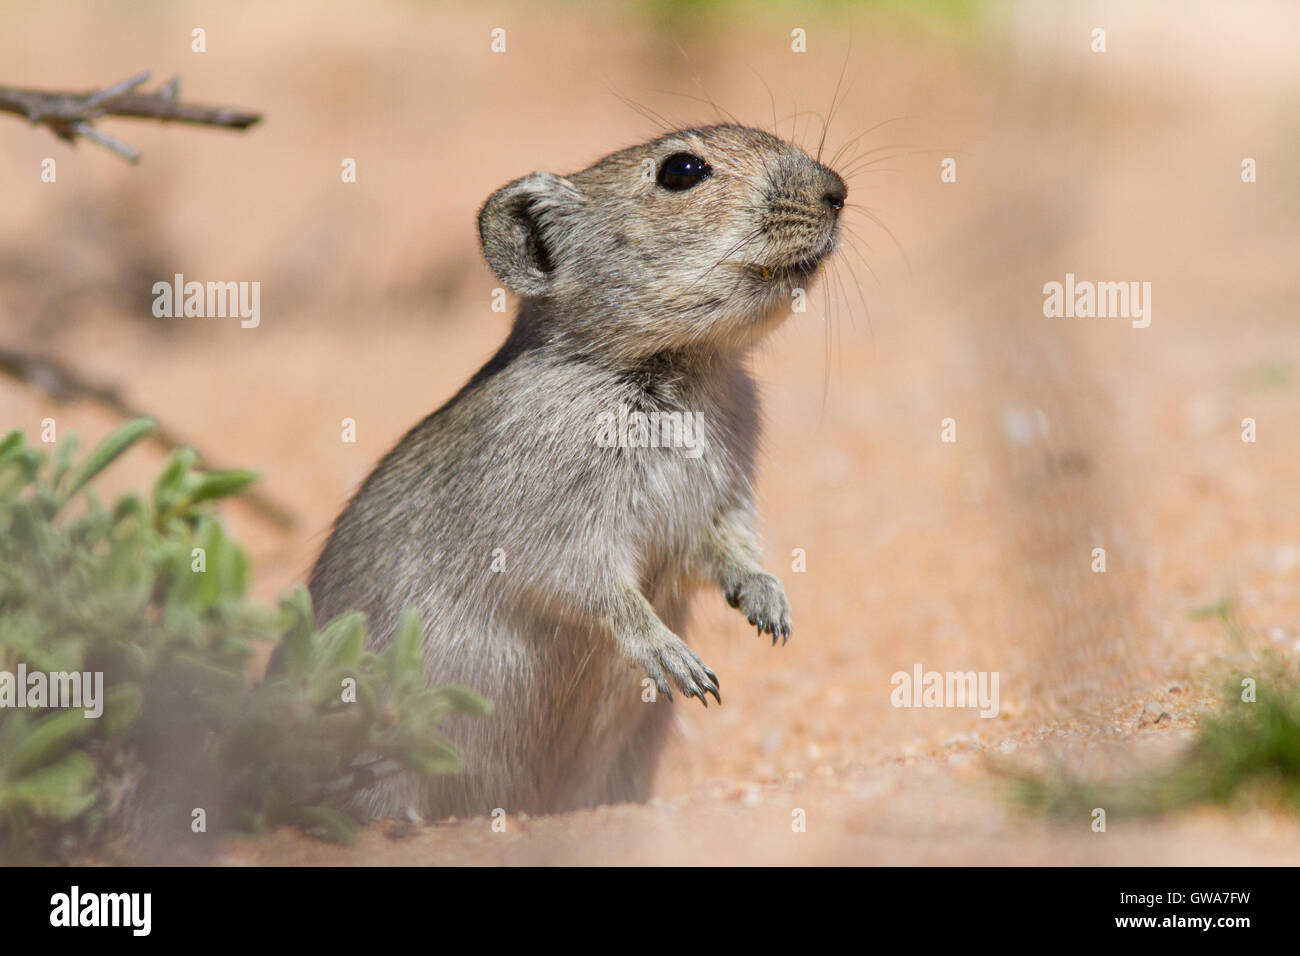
[(682, 171)]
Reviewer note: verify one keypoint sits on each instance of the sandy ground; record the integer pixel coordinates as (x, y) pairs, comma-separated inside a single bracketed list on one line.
[(1071, 434)]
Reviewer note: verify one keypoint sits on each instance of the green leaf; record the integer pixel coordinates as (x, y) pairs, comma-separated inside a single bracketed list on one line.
[(62, 791), (327, 823), (122, 705), (170, 486), (48, 739), (464, 700), (435, 758), (403, 655), (109, 449), (12, 440), (341, 642), (219, 484), (294, 650), (62, 459)]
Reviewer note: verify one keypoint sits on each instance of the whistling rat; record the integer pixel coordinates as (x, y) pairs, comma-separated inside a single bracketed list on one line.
[(645, 280)]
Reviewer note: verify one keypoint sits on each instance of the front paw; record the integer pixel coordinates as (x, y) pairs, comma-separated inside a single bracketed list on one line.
[(761, 598), (668, 657)]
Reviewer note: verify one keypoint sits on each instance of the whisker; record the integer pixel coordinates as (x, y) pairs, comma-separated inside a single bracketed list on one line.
[(695, 78), (740, 280), (871, 129), (644, 111), (776, 128), (826, 347), (907, 151), (831, 112), (861, 257), (870, 214), (726, 255), (862, 295)]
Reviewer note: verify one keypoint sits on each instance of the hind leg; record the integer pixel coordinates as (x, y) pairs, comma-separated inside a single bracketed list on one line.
[(630, 777)]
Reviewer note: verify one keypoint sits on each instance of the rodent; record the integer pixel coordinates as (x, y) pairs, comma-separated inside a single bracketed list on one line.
[(644, 280)]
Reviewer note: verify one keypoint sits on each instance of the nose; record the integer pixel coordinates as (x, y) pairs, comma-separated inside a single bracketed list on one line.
[(834, 191)]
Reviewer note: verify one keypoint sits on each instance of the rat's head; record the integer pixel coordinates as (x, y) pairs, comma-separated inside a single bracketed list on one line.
[(698, 238)]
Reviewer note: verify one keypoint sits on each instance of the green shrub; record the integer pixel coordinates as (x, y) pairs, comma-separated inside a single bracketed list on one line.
[(151, 592)]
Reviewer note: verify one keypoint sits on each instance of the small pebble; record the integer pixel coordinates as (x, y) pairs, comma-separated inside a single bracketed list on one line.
[(1152, 713)]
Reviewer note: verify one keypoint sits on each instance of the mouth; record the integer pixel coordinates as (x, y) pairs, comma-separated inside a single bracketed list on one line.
[(799, 264), (798, 270), (805, 266)]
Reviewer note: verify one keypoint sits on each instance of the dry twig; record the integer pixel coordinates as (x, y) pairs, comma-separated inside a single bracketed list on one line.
[(70, 115)]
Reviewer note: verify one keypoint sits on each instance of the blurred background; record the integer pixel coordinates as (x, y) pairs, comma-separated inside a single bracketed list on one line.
[(1072, 434)]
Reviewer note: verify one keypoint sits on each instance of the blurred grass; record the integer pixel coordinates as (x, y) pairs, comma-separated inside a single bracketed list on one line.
[(1268, 375), (948, 9), (678, 13), (1225, 611), (1248, 754)]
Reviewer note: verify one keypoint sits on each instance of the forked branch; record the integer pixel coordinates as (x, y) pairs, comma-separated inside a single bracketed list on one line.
[(70, 115)]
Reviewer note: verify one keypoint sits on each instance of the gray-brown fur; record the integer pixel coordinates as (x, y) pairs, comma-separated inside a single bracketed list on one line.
[(632, 294)]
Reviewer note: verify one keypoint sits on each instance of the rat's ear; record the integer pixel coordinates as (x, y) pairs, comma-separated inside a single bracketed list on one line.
[(518, 227)]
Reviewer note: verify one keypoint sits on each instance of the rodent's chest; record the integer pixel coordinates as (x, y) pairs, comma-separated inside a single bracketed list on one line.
[(683, 470), (673, 503), (643, 466)]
